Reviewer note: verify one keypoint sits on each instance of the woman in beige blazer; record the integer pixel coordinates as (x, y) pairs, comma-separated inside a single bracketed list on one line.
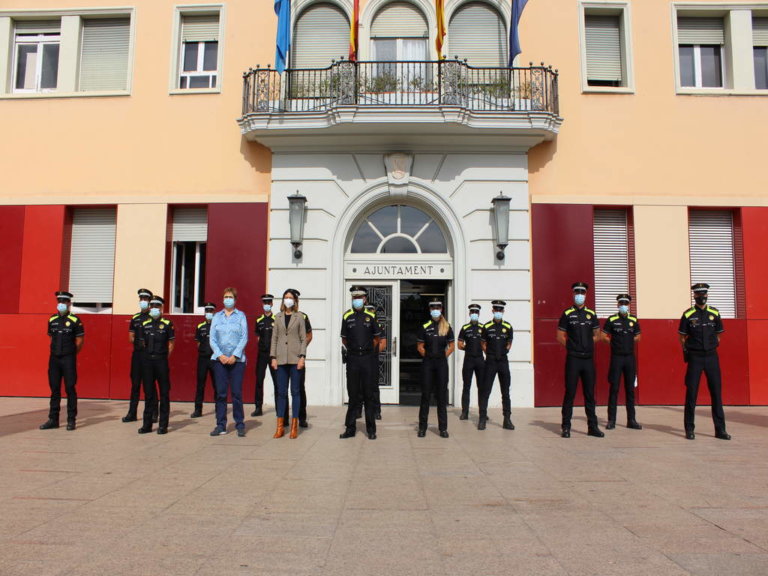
[(287, 353)]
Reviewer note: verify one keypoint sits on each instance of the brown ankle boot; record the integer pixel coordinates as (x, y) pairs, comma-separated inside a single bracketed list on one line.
[(294, 428), (280, 432)]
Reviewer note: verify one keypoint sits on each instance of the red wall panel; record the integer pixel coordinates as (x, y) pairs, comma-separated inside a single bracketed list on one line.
[(93, 362), (11, 244), (25, 344), (184, 359), (120, 366), (754, 225), (757, 334), (41, 258)]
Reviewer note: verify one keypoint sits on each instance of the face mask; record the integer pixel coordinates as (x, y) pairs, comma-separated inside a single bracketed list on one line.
[(701, 300), (474, 317), (623, 309), (209, 316), (288, 302), (357, 303), (61, 307), (267, 307), (143, 304), (498, 315), (435, 314), (154, 312), (229, 302), (579, 299)]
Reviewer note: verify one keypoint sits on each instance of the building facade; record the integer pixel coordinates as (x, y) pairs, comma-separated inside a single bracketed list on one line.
[(154, 145)]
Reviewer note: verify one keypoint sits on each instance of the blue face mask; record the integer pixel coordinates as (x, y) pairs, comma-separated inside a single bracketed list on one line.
[(435, 314), (579, 299), (143, 305), (229, 302), (154, 312), (357, 303), (474, 317), (209, 316), (498, 315), (61, 307), (623, 309), (267, 307)]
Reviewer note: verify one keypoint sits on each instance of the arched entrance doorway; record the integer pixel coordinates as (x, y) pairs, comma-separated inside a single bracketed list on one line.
[(402, 253)]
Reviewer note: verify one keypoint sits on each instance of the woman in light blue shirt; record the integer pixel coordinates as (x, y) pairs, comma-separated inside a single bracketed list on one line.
[(229, 335)]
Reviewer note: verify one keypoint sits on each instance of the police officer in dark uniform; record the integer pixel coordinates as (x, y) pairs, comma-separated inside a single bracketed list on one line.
[(204, 359), (263, 330), (577, 332), (435, 343), (623, 330), (67, 333), (158, 340), (497, 340), (134, 326), (375, 366), (302, 373), (360, 335), (470, 337), (700, 329)]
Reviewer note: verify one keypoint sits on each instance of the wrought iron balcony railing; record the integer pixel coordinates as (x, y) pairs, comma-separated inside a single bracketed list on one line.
[(401, 84)]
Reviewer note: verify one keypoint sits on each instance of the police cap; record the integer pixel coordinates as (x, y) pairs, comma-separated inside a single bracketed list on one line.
[(267, 298), (435, 303), (498, 304), (157, 300), (63, 295), (579, 286), (144, 293), (623, 298), (358, 291), (700, 287), (474, 307), (210, 306)]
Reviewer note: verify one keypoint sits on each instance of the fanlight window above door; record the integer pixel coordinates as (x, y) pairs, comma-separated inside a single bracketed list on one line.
[(399, 230)]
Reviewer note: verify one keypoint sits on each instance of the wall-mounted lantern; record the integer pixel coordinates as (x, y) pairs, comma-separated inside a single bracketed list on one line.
[(501, 219), (296, 206)]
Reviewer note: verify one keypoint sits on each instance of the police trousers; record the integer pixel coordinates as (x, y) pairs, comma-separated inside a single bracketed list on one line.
[(360, 387), (137, 376), (621, 366), (495, 366), (155, 369), (62, 367), (262, 364), (710, 365), (579, 369), (434, 378), (472, 365), (204, 369)]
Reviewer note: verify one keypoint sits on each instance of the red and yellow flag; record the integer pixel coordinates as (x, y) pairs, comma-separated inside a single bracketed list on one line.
[(354, 25), (440, 9)]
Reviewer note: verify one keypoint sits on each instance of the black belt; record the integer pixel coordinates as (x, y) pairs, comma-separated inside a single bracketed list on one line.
[(580, 355), (156, 356), (702, 353), (623, 354)]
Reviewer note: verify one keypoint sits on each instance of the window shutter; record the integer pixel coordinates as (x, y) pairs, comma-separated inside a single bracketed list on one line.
[(603, 40), (760, 31), (477, 33), (710, 233), (321, 35), (399, 20), (92, 260), (203, 28), (700, 31), (104, 56), (37, 26), (611, 259), (190, 225)]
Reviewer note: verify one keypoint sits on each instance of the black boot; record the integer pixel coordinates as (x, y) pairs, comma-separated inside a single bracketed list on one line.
[(722, 434), (633, 424), (595, 431), (348, 433), (481, 423), (197, 413), (71, 424), (464, 415), (566, 432), (421, 433), (49, 424), (130, 417), (689, 435), (610, 425), (507, 425), (257, 412)]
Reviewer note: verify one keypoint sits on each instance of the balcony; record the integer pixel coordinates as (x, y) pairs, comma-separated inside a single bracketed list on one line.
[(370, 105)]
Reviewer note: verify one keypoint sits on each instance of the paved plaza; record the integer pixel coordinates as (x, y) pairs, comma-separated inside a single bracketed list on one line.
[(104, 500)]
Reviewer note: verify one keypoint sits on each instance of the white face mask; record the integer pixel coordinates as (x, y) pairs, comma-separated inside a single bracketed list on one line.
[(288, 302), (61, 307), (143, 304), (474, 317), (154, 312), (209, 316), (579, 299), (267, 307)]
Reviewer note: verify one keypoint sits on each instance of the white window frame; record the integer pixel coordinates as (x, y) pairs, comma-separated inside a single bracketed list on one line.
[(196, 296), (177, 48), (39, 40), (697, 68), (198, 72), (611, 8)]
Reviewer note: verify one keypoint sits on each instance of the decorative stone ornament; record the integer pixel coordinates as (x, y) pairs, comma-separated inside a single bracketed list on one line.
[(398, 167)]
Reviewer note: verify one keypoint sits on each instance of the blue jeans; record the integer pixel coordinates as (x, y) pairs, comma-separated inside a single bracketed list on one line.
[(229, 377), (284, 373)]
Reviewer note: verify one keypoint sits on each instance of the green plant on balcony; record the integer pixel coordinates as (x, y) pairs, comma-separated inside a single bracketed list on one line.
[(382, 82)]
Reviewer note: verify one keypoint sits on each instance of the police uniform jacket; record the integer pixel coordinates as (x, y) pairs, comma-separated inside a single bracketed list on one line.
[(359, 328), (472, 334), (263, 329), (203, 339), (434, 344), (134, 327), (497, 335), (579, 325), (155, 335), (702, 327), (63, 330), (622, 330), (307, 324)]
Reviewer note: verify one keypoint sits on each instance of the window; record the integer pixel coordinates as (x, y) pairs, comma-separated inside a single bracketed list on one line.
[(36, 56), (92, 258), (104, 54), (399, 34), (711, 239), (476, 32), (760, 51), (321, 35), (611, 240), (399, 230), (700, 52), (190, 237), (606, 46), (199, 51)]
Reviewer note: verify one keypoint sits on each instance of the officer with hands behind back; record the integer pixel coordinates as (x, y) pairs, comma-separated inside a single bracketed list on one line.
[(470, 337), (134, 327), (158, 340), (497, 341)]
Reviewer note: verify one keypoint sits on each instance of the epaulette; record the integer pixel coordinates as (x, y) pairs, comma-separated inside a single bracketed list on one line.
[(73, 318), (348, 313), (507, 324), (164, 321), (571, 309), (466, 326), (305, 316), (371, 314), (201, 324), (588, 311), (137, 314), (260, 318), (614, 317), (714, 310), (690, 312), (488, 324), (146, 322), (632, 318), (52, 318), (426, 324)]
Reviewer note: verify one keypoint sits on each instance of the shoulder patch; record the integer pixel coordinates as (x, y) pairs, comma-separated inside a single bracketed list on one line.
[(201, 324), (633, 318), (52, 318), (73, 318), (137, 314), (305, 316), (165, 321), (348, 313), (690, 312), (486, 325), (146, 322), (714, 310), (260, 318), (614, 317), (589, 311), (569, 310), (371, 314), (426, 324), (507, 324), (466, 326)]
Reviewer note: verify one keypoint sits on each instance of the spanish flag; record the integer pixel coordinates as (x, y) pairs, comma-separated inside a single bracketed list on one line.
[(440, 9), (353, 31)]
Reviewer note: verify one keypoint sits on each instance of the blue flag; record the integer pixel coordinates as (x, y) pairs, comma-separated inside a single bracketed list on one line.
[(283, 45), (514, 38)]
